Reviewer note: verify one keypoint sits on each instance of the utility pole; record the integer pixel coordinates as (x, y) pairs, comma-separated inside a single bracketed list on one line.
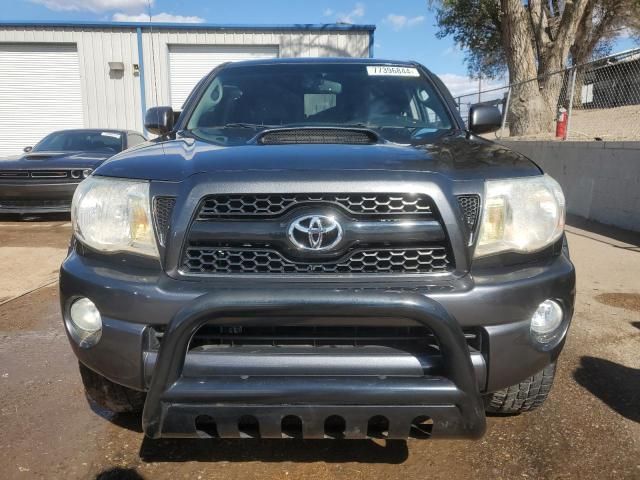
[(571, 93)]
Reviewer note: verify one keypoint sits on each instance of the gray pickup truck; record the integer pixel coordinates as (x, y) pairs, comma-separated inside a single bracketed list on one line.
[(318, 248)]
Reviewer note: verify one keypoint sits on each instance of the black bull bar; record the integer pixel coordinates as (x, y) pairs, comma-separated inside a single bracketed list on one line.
[(176, 403)]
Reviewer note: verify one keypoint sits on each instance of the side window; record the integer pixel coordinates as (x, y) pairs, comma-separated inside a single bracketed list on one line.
[(433, 118), (134, 139), (415, 114)]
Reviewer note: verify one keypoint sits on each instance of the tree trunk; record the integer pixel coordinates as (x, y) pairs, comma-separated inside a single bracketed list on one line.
[(529, 114), (528, 111), (552, 91), (536, 58)]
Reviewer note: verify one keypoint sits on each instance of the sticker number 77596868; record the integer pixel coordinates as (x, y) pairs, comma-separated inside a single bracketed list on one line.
[(391, 70)]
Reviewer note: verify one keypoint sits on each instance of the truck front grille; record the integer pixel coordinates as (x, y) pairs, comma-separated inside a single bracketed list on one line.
[(234, 234), (230, 206), (405, 337), (202, 260)]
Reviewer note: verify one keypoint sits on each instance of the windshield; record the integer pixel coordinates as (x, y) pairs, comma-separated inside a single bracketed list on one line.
[(81, 141), (397, 102)]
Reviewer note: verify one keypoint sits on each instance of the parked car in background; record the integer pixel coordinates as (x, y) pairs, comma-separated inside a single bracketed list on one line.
[(44, 178)]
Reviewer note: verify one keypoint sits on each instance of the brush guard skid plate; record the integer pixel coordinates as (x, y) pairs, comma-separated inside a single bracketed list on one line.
[(239, 407)]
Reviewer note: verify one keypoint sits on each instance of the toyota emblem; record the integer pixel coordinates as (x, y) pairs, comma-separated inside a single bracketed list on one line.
[(316, 233)]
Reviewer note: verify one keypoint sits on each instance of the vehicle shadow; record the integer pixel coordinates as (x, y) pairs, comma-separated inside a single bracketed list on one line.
[(601, 231), (616, 385), (119, 473), (289, 450), (129, 421)]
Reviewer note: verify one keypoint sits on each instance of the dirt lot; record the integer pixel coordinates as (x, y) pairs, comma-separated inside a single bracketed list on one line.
[(589, 428), (607, 124)]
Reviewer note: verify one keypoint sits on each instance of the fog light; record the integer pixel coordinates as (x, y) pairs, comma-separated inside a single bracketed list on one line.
[(85, 324), (546, 322)]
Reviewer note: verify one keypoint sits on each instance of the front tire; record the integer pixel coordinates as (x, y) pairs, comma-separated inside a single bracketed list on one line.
[(109, 395), (524, 396)]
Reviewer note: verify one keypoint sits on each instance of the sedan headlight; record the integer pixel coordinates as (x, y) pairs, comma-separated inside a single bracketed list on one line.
[(520, 215), (113, 215)]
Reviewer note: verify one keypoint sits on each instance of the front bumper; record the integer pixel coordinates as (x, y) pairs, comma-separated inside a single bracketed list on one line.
[(30, 197), (184, 389), (175, 402)]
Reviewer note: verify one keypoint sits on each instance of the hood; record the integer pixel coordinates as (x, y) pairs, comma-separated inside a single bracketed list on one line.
[(456, 156), (49, 160)]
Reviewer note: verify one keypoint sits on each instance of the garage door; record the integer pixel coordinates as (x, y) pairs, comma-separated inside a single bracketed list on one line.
[(189, 63), (39, 93)]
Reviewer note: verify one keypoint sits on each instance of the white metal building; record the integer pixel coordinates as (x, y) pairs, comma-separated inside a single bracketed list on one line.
[(104, 75)]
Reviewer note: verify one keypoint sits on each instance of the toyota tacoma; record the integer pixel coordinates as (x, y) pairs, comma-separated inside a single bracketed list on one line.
[(318, 248)]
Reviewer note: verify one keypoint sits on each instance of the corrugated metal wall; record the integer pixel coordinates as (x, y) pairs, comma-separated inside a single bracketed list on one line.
[(39, 92), (189, 63), (108, 102), (112, 101), (291, 44)]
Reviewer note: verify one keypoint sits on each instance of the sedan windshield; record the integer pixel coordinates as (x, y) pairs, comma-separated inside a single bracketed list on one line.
[(81, 141), (398, 102)]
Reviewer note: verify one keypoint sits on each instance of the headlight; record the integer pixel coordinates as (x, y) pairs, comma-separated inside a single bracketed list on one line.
[(520, 215), (113, 215)]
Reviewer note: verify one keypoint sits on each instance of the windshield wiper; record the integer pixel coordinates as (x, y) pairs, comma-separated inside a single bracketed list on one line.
[(368, 126)]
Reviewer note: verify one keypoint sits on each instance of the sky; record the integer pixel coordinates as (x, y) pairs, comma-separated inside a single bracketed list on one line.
[(405, 30)]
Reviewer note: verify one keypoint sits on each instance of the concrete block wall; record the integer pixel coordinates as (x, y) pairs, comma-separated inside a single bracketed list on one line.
[(601, 180)]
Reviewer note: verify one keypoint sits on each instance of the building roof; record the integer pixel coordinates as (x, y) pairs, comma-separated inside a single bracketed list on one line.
[(329, 27), (322, 61)]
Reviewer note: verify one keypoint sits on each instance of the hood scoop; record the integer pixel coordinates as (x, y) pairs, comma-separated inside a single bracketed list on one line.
[(348, 136)]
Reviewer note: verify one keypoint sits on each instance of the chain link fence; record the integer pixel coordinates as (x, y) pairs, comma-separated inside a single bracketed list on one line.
[(599, 100)]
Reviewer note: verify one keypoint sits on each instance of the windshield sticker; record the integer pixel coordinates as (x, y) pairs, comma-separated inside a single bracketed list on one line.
[(110, 134), (393, 71)]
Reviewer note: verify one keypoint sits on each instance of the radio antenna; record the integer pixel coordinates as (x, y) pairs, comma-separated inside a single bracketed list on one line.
[(154, 62)]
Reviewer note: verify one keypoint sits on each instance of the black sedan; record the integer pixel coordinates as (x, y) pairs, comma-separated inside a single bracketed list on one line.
[(44, 178)]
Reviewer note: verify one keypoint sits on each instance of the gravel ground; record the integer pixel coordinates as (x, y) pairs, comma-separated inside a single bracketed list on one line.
[(602, 124), (589, 428)]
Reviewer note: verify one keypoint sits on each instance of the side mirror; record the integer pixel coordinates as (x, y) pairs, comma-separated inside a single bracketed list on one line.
[(159, 120), (484, 119), (27, 149)]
